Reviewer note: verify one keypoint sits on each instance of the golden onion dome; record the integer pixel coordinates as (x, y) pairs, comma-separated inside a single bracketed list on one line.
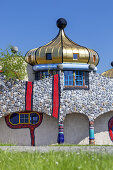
[(108, 73), (61, 50)]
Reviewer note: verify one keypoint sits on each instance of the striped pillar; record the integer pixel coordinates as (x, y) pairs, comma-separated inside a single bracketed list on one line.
[(60, 132), (91, 133)]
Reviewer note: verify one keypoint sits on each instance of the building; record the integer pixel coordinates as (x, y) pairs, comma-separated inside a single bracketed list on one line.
[(64, 101)]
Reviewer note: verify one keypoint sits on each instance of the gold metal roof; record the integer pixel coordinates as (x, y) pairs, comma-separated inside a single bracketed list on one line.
[(62, 50), (108, 73)]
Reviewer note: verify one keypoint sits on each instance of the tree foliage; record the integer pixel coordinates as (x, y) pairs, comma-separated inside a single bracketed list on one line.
[(13, 65)]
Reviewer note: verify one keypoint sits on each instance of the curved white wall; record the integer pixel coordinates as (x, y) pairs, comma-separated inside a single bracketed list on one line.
[(76, 129), (101, 129), (14, 136), (47, 132)]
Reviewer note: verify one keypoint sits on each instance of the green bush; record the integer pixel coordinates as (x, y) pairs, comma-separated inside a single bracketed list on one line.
[(13, 65)]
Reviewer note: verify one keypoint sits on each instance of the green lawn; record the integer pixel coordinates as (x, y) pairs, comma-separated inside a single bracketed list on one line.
[(55, 161), (77, 145), (6, 144)]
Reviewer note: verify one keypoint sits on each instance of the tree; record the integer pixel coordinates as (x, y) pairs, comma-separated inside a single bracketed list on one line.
[(13, 64)]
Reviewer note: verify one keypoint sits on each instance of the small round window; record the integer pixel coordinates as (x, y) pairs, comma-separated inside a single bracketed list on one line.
[(34, 118), (24, 118), (14, 118)]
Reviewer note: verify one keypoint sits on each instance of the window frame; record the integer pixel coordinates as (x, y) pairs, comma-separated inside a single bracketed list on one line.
[(94, 58), (84, 78), (13, 120), (48, 56), (77, 56), (71, 75), (23, 118), (29, 122), (77, 78), (45, 74), (39, 74), (31, 118)]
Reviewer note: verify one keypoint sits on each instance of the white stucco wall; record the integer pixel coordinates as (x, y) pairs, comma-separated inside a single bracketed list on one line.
[(76, 129), (101, 129), (14, 136), (47, 132)]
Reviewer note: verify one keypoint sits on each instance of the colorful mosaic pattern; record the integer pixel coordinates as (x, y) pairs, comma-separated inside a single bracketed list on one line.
[(60, 133), (110, 128), (29, 125), (91, 133), (29, 96), (56, 95)]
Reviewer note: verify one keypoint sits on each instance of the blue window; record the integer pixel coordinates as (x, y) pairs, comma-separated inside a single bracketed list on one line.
[(75, 56), (68, 78), (78, 78), (48, 56), (34, 118), (24, 118), (14, 118), (45, 74), (86, 78)]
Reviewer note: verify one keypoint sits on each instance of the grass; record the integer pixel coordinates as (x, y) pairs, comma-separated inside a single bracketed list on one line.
[(55, 161), (77, 145), (6, 144)]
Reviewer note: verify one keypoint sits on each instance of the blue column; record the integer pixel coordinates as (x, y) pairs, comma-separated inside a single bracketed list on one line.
[(60, 132), (91, 133)]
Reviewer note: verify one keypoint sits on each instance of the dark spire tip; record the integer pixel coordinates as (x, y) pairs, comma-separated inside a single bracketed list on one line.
[(61, 23)]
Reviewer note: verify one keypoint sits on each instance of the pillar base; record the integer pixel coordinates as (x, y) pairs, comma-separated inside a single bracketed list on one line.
[(91, 141), (60, 138)]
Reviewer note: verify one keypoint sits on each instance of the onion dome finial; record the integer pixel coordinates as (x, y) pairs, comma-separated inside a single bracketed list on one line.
[(62, 50), (61, 23)]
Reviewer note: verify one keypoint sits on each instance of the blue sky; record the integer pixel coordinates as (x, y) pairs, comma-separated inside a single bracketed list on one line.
[(32, 23)]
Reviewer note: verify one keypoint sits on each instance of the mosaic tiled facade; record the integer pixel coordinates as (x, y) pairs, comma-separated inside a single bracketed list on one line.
[(96, 100), (76, 103)]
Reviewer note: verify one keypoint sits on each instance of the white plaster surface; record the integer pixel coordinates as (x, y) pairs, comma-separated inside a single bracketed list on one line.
[(101, 129), (76, 129), (47, 132), (14, 136)]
